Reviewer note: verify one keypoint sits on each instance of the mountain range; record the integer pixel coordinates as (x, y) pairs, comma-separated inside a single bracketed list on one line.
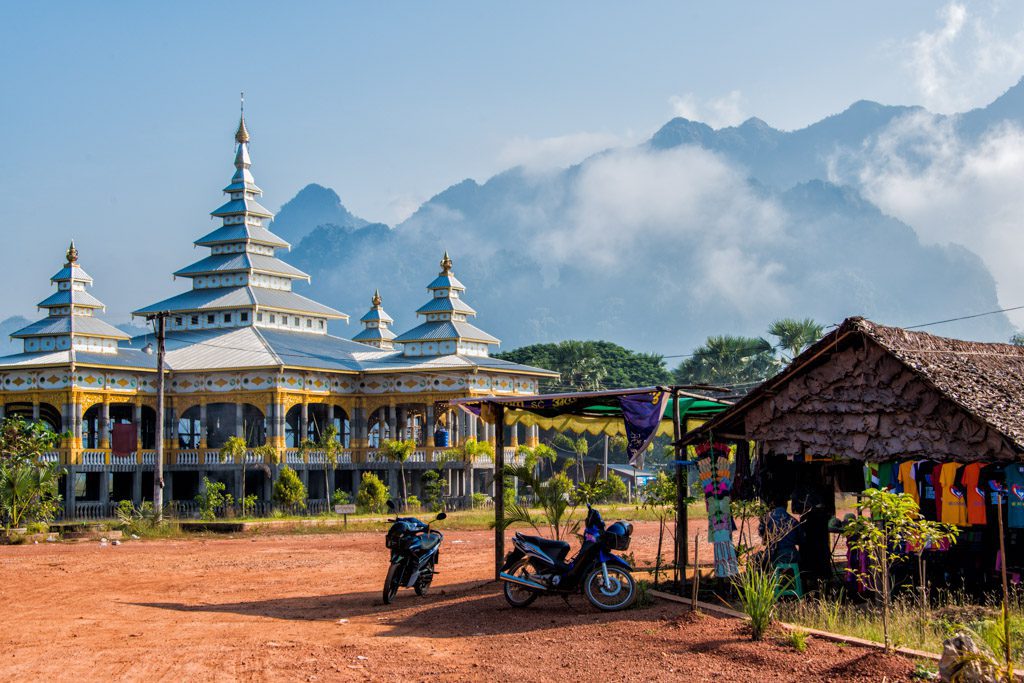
[(694, 232)]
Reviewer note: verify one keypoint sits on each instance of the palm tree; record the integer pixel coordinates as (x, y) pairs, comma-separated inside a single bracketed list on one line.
[(552, 497), (468, 451), (397, 450), (726, 360), (234, 449), (579, 365), (331, 447), (795, 335)]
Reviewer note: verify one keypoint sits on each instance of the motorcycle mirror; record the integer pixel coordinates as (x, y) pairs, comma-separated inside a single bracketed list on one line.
[(391, 505), (440, 516)]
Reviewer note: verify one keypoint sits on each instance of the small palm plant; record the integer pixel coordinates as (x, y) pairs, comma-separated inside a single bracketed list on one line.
[(758, 588), (330, 446), (234, 450), (554, 498), (399, 450)]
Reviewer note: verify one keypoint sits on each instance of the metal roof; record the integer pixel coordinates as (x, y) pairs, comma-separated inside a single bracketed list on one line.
[(241, 297), (63, 298), (374, 333), (446, 329), (448, 281), (65, 274), (376, 314), (84, 325), (239, 232), (446, 304), (236, 206), (124, 358), (223, 263)]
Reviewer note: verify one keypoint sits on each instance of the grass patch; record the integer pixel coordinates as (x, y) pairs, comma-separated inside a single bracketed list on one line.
[(797, 640)]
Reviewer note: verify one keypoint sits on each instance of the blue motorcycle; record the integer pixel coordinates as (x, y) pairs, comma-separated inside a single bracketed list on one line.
[(414, 551), (537, 566)]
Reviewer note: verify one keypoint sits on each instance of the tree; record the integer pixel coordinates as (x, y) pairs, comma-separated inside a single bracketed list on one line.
[(210, 497), (399, 450), (659, 495), (579, 446), (1017, 339), (728, 361), (373, 494), (329, 445), (588, 364), (29, 490), (234, 449), (894, 523), (795, 335), (468, 451), (434, 487), (289, 491), (533, 457)]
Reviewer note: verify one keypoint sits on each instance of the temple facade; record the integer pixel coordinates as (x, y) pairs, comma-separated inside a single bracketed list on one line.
[(246, 356)]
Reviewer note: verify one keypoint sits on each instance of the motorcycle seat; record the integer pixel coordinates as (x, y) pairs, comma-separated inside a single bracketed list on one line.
[(428, 541), (556, 550)]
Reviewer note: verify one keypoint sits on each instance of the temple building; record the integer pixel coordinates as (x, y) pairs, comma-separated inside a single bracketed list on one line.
[(246, 356)]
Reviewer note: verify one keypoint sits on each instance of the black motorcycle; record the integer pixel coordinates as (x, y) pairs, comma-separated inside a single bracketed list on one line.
[(414, 552), (537, 566)]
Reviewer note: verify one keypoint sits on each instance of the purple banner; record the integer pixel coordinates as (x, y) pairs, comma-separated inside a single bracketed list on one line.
[(642, 415)]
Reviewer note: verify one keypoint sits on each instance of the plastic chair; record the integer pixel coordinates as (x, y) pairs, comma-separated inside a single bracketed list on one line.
[(795, 587)]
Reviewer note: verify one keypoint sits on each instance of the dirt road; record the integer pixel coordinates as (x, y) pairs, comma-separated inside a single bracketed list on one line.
[(308, 608)]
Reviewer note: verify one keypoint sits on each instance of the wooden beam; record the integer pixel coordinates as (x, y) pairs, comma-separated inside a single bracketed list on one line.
[(499, 488)]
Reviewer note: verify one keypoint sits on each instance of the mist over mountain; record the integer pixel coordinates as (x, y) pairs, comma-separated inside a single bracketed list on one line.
[(890, 212), (7, 327)]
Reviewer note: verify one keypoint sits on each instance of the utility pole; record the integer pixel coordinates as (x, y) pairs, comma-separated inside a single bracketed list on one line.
[(604, 472), (158, 474)]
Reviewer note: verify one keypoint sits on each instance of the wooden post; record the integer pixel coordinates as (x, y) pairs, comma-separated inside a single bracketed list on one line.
[(1006, 591), (696, 571), (499, 488), (682, 491)]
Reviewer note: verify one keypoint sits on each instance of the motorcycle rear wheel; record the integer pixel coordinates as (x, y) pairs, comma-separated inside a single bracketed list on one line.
[(618, 593), (391, 582), (516, 595)]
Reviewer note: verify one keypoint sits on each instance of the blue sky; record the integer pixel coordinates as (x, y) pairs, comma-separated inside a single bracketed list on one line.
[(117, 116)]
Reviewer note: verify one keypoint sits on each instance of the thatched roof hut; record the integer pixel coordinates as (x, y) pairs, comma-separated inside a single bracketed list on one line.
[(874, 393)]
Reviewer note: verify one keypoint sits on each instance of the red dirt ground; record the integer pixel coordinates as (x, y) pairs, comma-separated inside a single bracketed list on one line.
[(308, 608)]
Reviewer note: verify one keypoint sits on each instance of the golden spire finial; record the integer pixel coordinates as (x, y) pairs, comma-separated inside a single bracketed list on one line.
[(376, 301), (242, 135), (72, 253), (446, 264)]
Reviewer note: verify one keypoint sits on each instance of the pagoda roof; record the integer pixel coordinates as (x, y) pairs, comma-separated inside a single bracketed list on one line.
[(376, 314), (446, 281), (374, 334), (446, 329), (241, 297), (86, 326), (241, 261), (62, 297), (241, 232), (244, 205), (446, 304), (124, 358), (73, 271)]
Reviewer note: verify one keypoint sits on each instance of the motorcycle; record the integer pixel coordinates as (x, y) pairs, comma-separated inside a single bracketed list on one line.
[(536, 566), (414, 550)]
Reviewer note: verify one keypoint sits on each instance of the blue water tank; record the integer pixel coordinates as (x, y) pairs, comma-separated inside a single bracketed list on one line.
[(441, 438)]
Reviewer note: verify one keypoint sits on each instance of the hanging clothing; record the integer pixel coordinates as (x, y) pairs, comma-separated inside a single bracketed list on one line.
[(871, 480), (926, 491), (1015, 496), (908, 481), (954, 498), (970, 480), (885, 476), (936, 481)]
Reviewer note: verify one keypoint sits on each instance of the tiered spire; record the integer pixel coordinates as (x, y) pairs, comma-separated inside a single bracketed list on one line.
[(446, 330), (55, 331), (376, 324), (243, 282)]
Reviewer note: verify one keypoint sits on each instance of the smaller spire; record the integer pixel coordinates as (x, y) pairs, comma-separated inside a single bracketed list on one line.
[(446, 264), (242, 135), (72, 253), (376, 301)]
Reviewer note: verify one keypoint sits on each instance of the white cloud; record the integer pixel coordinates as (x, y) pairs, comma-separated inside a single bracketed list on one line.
[(951, 190), (680, 205), (556, 152), (719, 112), (401, 207), (967, 59)]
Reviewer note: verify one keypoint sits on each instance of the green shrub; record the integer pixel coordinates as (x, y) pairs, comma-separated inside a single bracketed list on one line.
[(413, 503), (210, 497), (478, 500), (38, 528), (758, 589), (339, 497), (373, 494), (434, 487), (249, 504), (289, 491)]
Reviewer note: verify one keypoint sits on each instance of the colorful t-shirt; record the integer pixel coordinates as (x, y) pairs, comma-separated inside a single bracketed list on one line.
[(970, 479), (954, 497), (926, 491), (908, 480), (885, 478), (1015, 496)]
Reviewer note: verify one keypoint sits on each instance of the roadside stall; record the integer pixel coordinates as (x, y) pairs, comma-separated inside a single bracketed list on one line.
[(870, 406), (637, 414)]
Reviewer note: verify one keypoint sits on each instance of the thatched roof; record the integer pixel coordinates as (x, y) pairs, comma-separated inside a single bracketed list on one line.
[(984, 381)]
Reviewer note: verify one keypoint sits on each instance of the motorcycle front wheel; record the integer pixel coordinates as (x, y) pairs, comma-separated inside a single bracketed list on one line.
[(515, 594), (618, 592), (391, 582)]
